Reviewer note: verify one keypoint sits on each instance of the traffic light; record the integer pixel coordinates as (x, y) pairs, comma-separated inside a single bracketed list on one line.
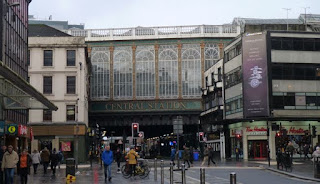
[(135, 129), (314, 131), (201, 137), (278, 134), (284, 132), (238, 136)]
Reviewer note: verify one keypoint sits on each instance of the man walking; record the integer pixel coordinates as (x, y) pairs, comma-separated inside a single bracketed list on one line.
[(9, 163), (118, 159), (107, 158), (54, 158), (186, 155), (3, 150), (205, 155), (211, 156), (306, 149), (45, 159), (173, 155)]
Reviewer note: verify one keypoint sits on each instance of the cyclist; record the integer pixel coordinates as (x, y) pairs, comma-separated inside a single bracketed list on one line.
[(132, 156)]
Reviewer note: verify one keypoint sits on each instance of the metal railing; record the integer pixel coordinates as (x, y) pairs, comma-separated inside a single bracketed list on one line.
[(227, 30)]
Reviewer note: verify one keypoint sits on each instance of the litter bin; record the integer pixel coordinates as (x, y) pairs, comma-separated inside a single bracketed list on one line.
[(196, 156), (71, 166), (317, 167)]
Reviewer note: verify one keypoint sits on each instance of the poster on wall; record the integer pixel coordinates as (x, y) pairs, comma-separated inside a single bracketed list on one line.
[(65, 146), (255, 76)]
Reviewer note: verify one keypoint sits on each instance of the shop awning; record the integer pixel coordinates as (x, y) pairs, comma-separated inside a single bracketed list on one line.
[(19, 94)]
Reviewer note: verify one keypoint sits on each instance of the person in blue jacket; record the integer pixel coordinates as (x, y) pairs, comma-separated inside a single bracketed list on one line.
[(173, 155), (107, 158)]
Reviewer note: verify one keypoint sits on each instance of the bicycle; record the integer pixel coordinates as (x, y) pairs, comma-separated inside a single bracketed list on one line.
[(142, 169)]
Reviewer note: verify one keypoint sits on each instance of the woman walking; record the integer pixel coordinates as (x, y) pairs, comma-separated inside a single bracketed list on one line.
[(36, 159), (24, 165)]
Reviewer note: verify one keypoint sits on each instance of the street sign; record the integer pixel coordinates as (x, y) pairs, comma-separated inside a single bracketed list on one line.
[(177, 125), (141, 134)]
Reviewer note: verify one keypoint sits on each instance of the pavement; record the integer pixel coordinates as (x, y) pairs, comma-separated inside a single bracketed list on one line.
[(250, 172)]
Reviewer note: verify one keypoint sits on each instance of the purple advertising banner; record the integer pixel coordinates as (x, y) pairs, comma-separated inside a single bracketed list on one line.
[(255, 76)]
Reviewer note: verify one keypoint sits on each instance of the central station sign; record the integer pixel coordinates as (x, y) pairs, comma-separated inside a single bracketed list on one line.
[(146, 106)]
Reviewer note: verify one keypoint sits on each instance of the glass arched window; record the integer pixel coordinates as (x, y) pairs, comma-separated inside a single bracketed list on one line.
[(145, 72), (211, 54), (100, 80), (191, 70), (168, 71), (122, 72)]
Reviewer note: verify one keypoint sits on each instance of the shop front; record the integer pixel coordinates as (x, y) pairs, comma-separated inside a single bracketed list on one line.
[(299, 133), (61, 137), (249, 140)]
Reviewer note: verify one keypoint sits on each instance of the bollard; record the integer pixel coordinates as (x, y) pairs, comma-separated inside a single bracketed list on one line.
[(162, 172), (233, 178), (183, 173), (202, 176), (155, 169), (171, 172)]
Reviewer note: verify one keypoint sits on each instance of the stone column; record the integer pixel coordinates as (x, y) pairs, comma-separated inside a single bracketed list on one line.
[(272, 143), (202, 45), (55, 143), (156, 52), (134, 72), (221, 51), (111, 49), (179, 71), (244, 144)]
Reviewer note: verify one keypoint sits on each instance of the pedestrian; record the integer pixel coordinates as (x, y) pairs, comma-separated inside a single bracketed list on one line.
[(210, 158), (36, 159), (205, 155), (9, 163), (118, 156), (173, 155), (2, 151), (24, 164), (237, 150), (60, 158), (290, 150), (107, 158), (316, 154), (54, 159), (45, 159), (132, 156), (191, 155), (306, 149), (186, 155)]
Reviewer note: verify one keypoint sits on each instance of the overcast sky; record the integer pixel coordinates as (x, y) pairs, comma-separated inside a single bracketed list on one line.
[(132, 13)]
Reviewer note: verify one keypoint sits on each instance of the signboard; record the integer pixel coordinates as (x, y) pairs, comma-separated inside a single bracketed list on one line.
[(22, 130), (12, 129), (161, 105), (298, 130), (234, 132), (178, 125), (2, 124), (65, 146), (255, 76), (141, 134), (256, 130)]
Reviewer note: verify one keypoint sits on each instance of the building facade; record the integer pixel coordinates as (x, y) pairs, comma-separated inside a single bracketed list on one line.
[(151, 75), (58, 68), (273, 84), (16, 94)]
